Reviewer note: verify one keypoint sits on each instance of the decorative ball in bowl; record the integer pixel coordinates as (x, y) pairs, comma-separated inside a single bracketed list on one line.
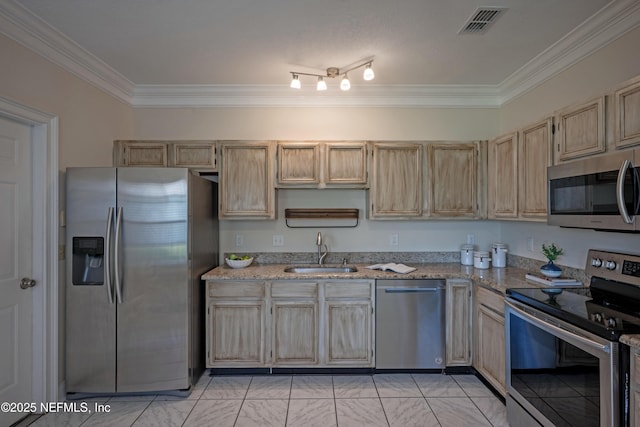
[(239, 262)]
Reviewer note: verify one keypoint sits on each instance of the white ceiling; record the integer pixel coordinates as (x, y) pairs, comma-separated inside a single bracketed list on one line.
[(239, 44)]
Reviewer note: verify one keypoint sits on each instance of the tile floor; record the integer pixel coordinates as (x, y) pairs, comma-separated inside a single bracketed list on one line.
[(319, 400)]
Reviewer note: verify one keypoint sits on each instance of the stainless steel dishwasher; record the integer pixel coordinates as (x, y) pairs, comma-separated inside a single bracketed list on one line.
[(410, 324)]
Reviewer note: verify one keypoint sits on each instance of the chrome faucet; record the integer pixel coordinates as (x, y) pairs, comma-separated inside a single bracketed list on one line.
[(320, 246)]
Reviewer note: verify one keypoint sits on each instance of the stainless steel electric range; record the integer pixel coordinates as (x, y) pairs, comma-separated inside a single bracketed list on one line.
[(565, 364)]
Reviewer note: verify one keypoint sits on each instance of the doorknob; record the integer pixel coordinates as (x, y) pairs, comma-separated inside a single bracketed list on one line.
[(26, 283)]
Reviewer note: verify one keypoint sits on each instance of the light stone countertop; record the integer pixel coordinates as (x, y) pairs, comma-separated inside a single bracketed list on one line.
[(632, 341), (498, 279)]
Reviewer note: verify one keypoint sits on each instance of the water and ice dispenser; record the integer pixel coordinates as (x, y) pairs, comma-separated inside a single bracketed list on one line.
[(88, 261)]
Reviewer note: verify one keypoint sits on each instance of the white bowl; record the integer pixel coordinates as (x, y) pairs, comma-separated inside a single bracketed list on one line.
[(238, 263)]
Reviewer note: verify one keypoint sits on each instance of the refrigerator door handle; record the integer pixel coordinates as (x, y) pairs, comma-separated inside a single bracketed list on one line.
[(117, 255), (107, 256)]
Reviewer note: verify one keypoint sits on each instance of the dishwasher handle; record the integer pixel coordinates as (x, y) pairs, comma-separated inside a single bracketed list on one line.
[(406, 290)]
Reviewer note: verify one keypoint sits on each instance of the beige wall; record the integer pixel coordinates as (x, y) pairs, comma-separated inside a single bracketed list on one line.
[(595, 75), (300, 123), (89, 119)]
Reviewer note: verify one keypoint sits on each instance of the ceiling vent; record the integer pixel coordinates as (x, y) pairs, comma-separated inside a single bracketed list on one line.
[(481, 20)]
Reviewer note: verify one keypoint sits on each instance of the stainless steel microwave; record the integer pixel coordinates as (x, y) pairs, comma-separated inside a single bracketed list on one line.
[(600, 192)]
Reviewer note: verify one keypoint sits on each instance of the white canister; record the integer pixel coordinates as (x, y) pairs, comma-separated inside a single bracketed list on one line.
[(499, 255), (481, 259), (466, 254)]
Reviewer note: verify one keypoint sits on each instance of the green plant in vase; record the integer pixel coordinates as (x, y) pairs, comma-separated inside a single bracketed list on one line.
[(552, 253)]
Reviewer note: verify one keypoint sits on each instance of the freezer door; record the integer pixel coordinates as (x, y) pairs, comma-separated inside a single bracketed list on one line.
[(152, 324), (90, 314)]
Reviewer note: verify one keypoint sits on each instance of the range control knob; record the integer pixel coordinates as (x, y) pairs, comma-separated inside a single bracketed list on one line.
[(596, 317), (610, 265), (596, 262), (611, 322)]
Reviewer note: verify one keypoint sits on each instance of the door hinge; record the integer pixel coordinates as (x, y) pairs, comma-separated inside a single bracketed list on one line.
[(553, 129)]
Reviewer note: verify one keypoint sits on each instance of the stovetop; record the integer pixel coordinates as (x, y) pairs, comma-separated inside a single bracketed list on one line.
[(577, 307), (610, 306)]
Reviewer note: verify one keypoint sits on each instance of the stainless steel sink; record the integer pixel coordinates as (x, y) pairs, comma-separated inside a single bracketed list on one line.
[(321, 269)]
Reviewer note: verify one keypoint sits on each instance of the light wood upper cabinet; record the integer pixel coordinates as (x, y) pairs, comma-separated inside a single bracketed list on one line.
[(534, 156), (580, 130), (345, 164), (298, 163), (349, 323), (502, 177), (627, 114), (453, 180), (322, 164), (199, 155), (140, 153), (458, 324), (396, 187), (246, 180)]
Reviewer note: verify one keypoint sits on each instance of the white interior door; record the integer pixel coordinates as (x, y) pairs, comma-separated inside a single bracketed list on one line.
[(16, 304)]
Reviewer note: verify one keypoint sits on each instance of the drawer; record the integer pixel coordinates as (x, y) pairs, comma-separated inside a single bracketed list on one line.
[(490, 299), (233, 289), (293, 289), (361, 290)]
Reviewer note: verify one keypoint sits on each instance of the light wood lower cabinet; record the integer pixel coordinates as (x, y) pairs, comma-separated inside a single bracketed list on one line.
[(294, 320), (489, 355), (236, 321), (634, 406), (349, 323), (308, 323), (458, 323)]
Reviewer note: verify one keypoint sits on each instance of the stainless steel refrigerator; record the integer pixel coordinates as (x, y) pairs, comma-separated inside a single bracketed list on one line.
[(137, 242)]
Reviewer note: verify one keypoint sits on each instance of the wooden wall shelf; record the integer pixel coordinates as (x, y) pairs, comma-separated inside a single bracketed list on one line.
[(322, 218)]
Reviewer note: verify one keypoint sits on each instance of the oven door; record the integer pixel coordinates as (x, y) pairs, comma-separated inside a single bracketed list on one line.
[(558, 374)]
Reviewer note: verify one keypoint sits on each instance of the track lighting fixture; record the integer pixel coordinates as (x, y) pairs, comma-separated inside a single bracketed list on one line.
[(333, 72)]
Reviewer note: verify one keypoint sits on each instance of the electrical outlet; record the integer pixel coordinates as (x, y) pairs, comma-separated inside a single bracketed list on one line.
[(393, 239), (471, 239), (278, 240), (239, 240), (530, 244)]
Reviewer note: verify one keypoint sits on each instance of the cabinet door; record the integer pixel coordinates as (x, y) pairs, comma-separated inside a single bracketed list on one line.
[(345, 164), (502, 177), (199, 155), (634, 404), (235, 333), (246, 182), (295, 332), (490, 360), (458, 323), (533, 158), (396, 187), (299, 163), (627, 114), (349, 333), (138, 153), (453, 187), (580, 130)]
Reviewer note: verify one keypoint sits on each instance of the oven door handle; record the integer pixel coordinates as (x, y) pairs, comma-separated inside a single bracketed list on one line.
[(620, 192), (558, 331)]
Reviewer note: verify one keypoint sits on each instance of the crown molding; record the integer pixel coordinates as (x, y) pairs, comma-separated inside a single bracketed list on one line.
[(21, 25), (611, 22), (614, 20), (436, 96)]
